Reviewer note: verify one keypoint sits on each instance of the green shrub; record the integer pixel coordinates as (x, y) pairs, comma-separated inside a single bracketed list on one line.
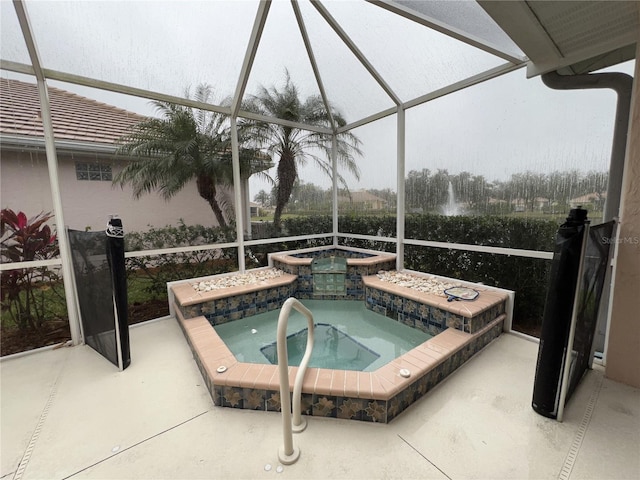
[(157, 270), (528, 277)]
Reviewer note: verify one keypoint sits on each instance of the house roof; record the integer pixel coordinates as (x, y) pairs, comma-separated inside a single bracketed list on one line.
[(75, 118), (589, 197)]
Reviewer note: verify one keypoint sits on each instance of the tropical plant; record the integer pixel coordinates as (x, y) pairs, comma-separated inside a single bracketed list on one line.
[(182, 144), (25, 239), (295, 146)]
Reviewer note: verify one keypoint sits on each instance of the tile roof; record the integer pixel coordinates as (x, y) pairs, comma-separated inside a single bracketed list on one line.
[(75, 118)]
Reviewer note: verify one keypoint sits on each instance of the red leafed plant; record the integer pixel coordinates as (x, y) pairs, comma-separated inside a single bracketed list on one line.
[(25, 239)]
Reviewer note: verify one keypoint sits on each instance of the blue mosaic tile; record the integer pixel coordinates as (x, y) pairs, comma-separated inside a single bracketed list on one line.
[(409, 306), (433, 330), (375, 411), (220, 319), (324, 406), (273, 401), (248, 299), (181, 310), (261, 308), (304, 270), (306, 403), (194, 310), (283, 291), (421, 325), (232, 397), (208, 307), (373, 293), (406, 319), (221, 305), (437, 317), (350, 408), (398, 302), (254, 399), (234, 304), (217, 395)]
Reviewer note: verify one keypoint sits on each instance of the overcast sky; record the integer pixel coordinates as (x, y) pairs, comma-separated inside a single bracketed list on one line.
[(504, 126)]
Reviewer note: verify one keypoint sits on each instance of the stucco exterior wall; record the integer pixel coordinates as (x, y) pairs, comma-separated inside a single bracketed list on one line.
[(24, 186), (623, 354)]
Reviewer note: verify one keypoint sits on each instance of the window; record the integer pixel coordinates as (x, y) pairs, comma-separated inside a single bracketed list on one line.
[(93, 171)]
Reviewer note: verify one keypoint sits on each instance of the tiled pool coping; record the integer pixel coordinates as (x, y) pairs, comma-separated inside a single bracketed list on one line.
[(185, 294), (368, 396), (432, 313)]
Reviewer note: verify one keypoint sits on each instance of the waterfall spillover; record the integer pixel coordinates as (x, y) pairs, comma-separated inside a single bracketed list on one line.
[(451, 207)]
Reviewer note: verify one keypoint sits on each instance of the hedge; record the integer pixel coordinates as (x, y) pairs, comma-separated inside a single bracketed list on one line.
[(528, 277)]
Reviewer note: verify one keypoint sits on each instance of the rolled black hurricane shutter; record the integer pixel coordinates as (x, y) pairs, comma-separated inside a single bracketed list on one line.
[(92, 276), (115, 257), (558, 311)]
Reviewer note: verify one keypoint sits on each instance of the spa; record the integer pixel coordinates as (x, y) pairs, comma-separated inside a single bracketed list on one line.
[(357, 300)]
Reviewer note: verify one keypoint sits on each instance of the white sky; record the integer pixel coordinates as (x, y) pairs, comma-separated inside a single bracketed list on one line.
[(504, 126)]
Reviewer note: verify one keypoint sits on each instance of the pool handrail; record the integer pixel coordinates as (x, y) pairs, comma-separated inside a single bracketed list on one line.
[(289, 454)]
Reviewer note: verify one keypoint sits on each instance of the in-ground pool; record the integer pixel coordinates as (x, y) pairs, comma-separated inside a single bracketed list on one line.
[(459, 330), (348, 336)]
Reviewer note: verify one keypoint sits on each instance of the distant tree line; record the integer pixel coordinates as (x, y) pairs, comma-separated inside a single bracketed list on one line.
[(427, 192), (528, 191)]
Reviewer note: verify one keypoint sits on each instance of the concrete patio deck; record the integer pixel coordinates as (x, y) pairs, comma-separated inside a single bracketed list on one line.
[(68, 413)]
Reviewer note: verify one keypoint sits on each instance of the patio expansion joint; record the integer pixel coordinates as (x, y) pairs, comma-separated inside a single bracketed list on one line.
[(423, 456), (137, 444)]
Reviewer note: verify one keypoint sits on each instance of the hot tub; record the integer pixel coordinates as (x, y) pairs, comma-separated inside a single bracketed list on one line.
[(458, 330)]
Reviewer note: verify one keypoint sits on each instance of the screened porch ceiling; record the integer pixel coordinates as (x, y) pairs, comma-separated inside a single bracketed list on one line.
[(366, 58)]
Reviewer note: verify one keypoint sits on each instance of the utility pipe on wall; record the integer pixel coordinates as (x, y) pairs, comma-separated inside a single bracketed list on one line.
[(622, 84)]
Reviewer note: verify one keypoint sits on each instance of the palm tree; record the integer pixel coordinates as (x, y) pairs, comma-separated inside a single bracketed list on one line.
[(294, 146), (182, 144)]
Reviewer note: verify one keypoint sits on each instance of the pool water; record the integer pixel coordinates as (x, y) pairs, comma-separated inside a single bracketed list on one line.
[(352, 322), (331, 349)]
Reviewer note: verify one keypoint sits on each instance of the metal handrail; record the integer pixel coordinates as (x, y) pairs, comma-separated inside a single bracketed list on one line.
[(289, 454)]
